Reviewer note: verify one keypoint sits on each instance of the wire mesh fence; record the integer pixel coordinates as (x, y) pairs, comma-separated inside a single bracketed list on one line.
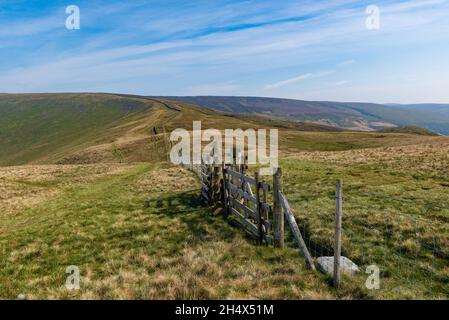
[(408, 255)]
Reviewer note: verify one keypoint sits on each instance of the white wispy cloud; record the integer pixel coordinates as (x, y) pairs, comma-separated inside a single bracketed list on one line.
[(198, 49), (339, 83), (297, 79), (30, 27), (346, 63)]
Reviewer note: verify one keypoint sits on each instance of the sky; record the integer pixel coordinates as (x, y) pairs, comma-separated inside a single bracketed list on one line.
[(310, 50)]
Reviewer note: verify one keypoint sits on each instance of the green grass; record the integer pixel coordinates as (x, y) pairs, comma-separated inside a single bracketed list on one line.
[(38, 126), (394, 217), (142, 234), (171, 248), (395, 208), (91, 128), (338, 141)]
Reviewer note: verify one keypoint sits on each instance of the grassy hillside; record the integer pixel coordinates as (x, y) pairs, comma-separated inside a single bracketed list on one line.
[(356, 116), (410, 130), (36, 128), (90, 128), (137, 230), (395, 212), (169, 249)]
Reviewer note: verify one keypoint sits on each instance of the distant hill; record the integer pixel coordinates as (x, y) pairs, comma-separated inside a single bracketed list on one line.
[(353, 116), (91, 127), (410, 130), (438, 108)]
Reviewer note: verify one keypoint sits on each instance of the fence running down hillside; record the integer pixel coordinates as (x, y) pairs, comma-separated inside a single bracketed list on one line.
[(160, 143)]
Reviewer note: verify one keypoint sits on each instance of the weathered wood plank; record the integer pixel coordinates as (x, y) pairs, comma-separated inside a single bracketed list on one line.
[(205, 176), (248, 189), (296, 233), (225, 189), (254, 215), (242, 207), (204, 186), (277, 210), (241, 176), (258, 208), (241, 193), (250, 226)]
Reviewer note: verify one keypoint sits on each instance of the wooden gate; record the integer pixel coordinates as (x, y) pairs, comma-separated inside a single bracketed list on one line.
[(249, 207)]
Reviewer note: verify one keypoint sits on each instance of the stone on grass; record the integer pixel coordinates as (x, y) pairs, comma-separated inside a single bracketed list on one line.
[(326, 265)]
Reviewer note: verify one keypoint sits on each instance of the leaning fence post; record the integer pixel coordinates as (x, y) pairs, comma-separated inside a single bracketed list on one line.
[(337, 250), (258, 208), (277, 208)]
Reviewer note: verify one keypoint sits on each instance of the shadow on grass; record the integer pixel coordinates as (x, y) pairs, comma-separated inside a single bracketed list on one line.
[(187, 207)]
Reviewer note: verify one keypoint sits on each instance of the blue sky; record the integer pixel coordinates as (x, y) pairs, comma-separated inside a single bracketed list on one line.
[(311, 50)]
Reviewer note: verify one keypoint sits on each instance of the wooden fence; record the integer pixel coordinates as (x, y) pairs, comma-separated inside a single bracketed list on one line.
[(245, 199), (250, 208), (210, 183)]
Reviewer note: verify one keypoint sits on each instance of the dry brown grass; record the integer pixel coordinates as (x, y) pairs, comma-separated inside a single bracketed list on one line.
[(430, 156), (26, 186), (171, 249), (169, 179), (203, 273)]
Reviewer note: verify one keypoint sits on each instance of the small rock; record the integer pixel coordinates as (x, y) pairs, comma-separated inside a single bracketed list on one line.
[(21, 296), (326, 265)]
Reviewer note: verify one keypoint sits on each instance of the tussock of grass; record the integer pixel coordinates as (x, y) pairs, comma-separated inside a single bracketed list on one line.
[(395, 212), (170, 249)]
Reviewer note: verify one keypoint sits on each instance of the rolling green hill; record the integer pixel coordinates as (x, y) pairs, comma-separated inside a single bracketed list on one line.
[(93, 128), (89, 128), (39, 126), (357, 116), (411, 130), (138, 231)]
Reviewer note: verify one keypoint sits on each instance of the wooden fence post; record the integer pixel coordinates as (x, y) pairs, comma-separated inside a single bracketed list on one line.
[(258, 208), (216, 185), (167, 142), (225, 189), (222, 189), (211, 183), (337, 250), (277, 208)]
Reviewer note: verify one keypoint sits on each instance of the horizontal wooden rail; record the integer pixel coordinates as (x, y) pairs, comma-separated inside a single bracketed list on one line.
[(252, 228), (241, 176), (241, 193), (248, 180), (254, 215)]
